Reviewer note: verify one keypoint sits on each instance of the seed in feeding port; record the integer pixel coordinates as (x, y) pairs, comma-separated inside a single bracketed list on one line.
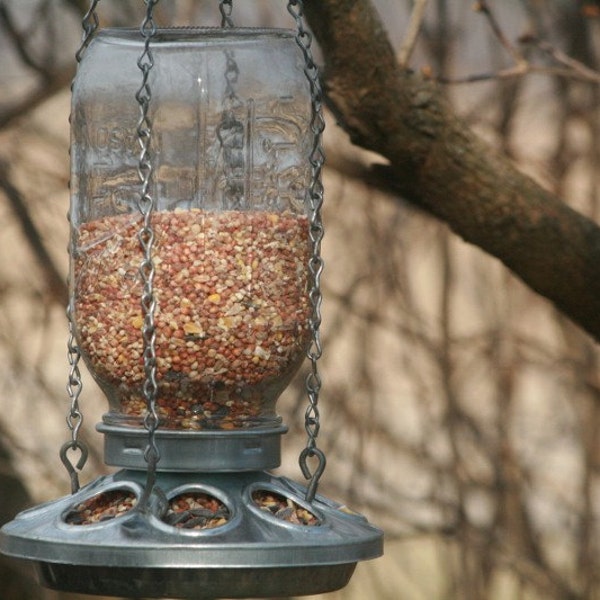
[(284, 508), (101, 508), (196, 510)]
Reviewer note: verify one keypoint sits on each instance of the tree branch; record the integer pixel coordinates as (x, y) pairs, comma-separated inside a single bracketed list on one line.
[(436, 162), (412, 33)]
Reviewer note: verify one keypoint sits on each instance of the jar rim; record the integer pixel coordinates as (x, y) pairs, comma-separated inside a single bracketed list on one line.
[(192, 34)]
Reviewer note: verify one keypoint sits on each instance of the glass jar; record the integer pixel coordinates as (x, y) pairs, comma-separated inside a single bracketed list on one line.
[(230, 112)]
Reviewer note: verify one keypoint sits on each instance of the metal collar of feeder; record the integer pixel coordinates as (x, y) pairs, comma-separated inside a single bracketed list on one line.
[(246, 550), (237, 450)]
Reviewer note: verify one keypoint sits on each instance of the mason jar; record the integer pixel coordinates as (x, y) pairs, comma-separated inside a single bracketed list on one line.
[(230, 114)]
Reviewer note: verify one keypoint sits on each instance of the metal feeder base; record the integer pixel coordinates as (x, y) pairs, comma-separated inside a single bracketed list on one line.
[(195, 583), (253, 553)]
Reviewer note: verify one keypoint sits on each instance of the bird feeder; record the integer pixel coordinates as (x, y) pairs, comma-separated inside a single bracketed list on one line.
[(194, 299)]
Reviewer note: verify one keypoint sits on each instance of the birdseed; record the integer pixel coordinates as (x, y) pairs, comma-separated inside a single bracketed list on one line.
[(196, 510), (101, 507), (284, 508), (231, 320)]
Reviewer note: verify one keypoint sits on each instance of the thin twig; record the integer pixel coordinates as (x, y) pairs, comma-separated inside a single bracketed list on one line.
[(584, 72), (522, 70), (412, 33), (483, 7), (569, 68)]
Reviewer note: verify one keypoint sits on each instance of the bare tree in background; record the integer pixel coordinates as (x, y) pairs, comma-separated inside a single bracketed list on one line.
[(461, 398)]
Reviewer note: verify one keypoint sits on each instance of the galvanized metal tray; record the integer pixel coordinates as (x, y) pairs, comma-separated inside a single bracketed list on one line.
[(139, 555)]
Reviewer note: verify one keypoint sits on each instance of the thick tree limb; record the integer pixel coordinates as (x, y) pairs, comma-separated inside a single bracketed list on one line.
[(436, 162)]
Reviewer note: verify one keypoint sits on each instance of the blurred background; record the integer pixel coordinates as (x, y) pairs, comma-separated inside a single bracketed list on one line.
[(460, 411)]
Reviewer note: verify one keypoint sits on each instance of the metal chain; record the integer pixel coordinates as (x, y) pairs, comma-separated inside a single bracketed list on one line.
[(232, 74), (230, 133), (74, 416), (89, 24), (146, 239), (74, 382), (226, 8), (312, 422)]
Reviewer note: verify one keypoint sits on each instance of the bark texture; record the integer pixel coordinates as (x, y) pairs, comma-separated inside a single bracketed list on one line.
[(440, 165)]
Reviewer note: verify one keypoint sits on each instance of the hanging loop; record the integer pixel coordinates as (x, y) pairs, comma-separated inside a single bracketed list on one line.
[(308, 474), (73, 469)]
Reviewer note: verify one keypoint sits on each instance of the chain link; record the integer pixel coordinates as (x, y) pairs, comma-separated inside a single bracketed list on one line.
[(226, 8), (74, 416), (230, 133), (146, 239), (312, 420), (89, 24), (74, 382)]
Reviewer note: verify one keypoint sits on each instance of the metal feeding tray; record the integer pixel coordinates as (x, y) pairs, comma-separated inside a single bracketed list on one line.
[(203, 536)]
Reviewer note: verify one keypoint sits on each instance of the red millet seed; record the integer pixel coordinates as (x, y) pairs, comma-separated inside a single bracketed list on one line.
[(284, 508)]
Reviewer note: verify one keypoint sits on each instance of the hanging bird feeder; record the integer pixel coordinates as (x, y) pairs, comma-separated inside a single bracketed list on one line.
[(194, 298)]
